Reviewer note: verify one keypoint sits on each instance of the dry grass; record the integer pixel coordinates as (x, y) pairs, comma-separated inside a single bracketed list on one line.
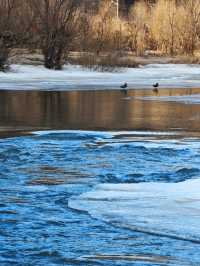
[(167, 27), (105, 62)]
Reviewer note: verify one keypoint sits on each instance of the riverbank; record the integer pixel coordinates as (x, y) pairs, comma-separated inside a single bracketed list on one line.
[(128, 59)]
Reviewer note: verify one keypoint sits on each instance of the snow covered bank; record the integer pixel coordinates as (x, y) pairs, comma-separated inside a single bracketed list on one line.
[(29, 77)]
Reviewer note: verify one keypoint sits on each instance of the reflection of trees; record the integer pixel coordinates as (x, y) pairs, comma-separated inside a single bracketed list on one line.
[(95, 110)]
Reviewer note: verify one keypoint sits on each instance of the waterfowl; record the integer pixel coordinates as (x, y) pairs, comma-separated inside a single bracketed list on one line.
[(124, 86), (155, 87)]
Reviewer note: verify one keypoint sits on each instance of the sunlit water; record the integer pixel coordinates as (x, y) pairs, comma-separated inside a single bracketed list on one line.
[(167, 110), (85, 198)]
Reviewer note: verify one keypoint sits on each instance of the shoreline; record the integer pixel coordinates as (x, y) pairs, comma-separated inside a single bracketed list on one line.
[(22, 56)]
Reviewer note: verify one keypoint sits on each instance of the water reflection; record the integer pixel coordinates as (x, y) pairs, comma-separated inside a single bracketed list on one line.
[(102, 110)]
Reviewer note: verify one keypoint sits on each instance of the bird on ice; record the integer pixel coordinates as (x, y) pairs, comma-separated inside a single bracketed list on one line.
[(124, 86), (155, 87)]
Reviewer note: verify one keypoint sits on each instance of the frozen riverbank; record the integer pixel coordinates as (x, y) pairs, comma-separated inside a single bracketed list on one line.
[(27, 77)]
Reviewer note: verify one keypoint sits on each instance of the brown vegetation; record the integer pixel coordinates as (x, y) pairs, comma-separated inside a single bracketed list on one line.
[(107, 62), (55, 27)]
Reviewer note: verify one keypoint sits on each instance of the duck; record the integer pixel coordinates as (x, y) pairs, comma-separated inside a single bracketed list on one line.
[(155, 87), (124, 87)]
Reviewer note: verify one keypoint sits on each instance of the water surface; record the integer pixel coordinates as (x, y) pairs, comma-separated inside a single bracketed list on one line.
[(98, 110), (44, 172), (62, 188)]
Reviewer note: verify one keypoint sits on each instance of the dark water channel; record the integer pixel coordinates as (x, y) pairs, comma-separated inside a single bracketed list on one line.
[(97, 110)]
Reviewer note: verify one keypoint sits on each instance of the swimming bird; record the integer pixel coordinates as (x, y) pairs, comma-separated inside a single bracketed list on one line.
[(155, 85)]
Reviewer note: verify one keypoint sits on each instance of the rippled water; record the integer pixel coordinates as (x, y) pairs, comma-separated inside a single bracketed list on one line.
[(45, 175)]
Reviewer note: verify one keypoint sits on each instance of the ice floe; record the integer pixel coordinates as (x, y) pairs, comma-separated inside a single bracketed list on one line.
[(165, 209), (186, 99)]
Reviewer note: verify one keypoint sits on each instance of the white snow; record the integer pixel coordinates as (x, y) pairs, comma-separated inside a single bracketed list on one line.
[(166, 209), (75, 77)]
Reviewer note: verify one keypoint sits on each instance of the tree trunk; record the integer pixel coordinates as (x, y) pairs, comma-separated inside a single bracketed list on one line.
[(53, 58), (58, 58), (48, 57), (4, 54)]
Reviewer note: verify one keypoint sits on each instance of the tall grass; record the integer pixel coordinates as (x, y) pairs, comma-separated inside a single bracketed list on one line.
[(169, 26)]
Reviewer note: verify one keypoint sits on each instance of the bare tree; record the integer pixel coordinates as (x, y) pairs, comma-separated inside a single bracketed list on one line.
[(55, 23), (103, 27), (138, 28), (7, 8), (15, 24), (171, 13), (191, 28)]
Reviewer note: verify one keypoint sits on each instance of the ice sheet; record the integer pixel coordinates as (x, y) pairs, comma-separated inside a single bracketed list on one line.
[(187, 99), (165, 209), (75, 77)]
